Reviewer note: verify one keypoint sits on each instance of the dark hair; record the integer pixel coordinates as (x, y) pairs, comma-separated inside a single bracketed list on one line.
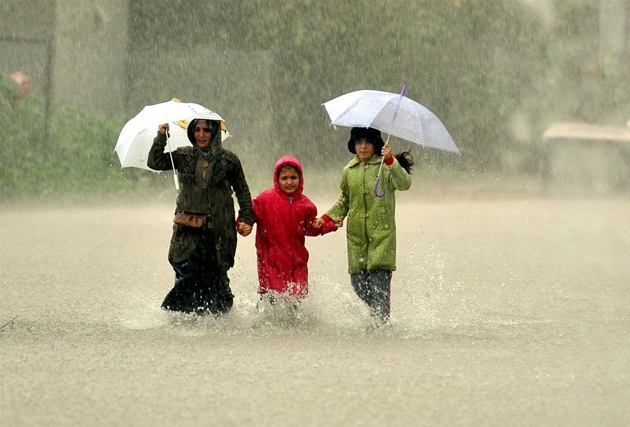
[(405, 160), (372, 135), (288, 165)]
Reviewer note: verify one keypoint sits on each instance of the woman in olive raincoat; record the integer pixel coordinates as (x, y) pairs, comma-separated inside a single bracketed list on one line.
[(203, 244), (371, 226)]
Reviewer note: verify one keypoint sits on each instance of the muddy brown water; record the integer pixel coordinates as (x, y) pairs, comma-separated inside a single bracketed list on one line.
[(504, 313)]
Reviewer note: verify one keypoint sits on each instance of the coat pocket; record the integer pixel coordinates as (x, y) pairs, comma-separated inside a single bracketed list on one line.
[(190, 220)]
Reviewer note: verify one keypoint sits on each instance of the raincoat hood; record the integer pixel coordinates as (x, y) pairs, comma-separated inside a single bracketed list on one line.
[(282, 224), (291, 161), (215, 129)]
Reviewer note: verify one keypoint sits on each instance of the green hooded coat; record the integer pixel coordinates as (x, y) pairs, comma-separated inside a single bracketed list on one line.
[(371, 224)]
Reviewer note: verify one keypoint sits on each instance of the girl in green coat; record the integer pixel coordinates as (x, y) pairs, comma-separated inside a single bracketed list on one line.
[(371, 225)]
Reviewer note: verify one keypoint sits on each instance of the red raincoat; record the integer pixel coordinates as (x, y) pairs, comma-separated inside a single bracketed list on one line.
[(281, 225)]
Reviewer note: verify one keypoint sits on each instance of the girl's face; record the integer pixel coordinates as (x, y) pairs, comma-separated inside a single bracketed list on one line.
[(288, 179), (364, 149), (203, 136)]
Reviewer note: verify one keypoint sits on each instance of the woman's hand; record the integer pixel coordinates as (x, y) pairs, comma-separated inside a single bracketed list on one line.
[(244, 229), (163, 128)]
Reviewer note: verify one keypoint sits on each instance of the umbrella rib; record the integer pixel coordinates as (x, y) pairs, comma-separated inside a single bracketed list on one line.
[(346, 111)]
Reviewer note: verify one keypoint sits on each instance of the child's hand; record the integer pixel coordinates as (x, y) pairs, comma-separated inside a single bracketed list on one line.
[(386, 151), (318, 222)]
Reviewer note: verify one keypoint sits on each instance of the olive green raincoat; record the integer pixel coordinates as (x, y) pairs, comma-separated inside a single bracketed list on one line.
[(207, 187), (371, 221)]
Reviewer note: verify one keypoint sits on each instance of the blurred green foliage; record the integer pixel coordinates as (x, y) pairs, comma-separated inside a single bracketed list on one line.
[(474, 63), (77, 159), (477, 64)]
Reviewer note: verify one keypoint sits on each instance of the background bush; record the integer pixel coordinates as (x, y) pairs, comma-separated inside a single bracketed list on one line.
[(495, 72)]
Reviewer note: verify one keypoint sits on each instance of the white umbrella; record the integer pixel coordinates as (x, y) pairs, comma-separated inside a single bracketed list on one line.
[(136, 137), (392, 113)]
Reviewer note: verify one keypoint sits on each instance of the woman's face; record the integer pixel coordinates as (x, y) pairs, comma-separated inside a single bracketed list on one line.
[(203, 136), (364, 149)]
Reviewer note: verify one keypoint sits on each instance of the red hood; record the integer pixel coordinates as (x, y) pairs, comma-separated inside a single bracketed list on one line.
[(288, 160)]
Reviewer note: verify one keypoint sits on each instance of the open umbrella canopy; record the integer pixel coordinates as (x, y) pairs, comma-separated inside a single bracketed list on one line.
[(136, 137), (392, 113)]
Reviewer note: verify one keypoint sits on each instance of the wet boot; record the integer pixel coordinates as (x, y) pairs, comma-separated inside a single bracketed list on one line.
[(224, 296), (184, 296)]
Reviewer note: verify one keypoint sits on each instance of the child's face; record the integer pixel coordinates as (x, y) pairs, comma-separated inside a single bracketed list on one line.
[(364, 149), (288, 179)]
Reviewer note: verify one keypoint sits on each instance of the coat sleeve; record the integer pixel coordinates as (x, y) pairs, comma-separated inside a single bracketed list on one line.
[(159, 160), (398, 177), (342, 204), (327, 227), (259, 204), (256, 207), (243, 196)]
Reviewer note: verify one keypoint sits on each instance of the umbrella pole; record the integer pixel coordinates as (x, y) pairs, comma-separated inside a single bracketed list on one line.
[(175, 177), (378, 177)]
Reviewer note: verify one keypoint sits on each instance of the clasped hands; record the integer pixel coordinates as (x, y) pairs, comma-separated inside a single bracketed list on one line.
[(245, 229), (318, 222)]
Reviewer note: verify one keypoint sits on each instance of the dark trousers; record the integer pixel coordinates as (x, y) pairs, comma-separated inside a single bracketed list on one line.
[(201, 286), (373, 287)]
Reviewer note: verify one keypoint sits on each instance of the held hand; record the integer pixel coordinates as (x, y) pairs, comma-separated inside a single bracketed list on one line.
[(318, 222), (244, 229), (386, 152), (163, 128)]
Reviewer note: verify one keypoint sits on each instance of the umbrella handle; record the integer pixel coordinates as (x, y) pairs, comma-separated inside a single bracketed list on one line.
[(176, 179), (378, 177), (376, 193), (170, 152)]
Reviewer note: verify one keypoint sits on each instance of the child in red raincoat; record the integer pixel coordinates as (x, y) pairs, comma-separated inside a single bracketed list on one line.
[(284, 216)]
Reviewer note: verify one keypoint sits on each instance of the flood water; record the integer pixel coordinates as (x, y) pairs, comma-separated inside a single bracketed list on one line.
[(504, 313)]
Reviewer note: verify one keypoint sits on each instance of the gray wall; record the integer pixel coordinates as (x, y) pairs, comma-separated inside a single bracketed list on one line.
[(25, 30), (234, 84), (87, 44), (90, 54), (92, 69)]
